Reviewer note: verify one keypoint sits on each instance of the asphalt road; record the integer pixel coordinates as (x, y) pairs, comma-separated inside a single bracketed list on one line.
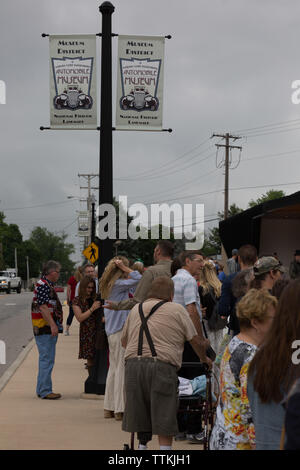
[(15, 324)]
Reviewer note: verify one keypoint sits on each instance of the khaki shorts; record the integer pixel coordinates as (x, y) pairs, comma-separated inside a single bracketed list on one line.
[(151, 400)]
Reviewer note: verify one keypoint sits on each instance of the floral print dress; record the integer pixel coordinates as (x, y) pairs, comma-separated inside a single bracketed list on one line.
[(234, 428)]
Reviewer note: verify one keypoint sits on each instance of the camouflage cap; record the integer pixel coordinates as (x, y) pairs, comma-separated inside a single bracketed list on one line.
[(265, 264)]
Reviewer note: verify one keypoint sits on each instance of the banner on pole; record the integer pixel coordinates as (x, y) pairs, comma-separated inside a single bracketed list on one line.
[(140, 83), (73, 101), (83, 224)]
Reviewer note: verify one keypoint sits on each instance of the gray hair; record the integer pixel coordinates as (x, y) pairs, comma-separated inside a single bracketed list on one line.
[(51, 266), (88, 265)]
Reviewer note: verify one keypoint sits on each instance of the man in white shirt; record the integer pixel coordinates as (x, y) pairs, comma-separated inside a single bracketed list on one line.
[(186, 288), (186, 293)]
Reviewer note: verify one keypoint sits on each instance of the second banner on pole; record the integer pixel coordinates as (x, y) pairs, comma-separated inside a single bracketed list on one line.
[(140, 83)]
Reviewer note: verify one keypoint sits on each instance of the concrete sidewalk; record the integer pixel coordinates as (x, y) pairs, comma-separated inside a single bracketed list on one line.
[(71, 422)]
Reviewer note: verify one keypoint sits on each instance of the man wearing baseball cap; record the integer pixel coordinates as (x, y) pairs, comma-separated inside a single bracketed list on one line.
[(267, 270)]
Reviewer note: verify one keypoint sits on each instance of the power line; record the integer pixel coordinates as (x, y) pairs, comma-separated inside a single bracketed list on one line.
[(248, 136), (271, 155), (157, 171), (180, 186), (281, 123), (221, 190)]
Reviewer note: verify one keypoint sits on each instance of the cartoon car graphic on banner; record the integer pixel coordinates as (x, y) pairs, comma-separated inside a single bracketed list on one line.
[(73, 98), (72, 82), (139, 82), (139, 98)]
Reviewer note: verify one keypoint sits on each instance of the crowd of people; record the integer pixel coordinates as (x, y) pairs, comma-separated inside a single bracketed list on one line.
[(242, 325)]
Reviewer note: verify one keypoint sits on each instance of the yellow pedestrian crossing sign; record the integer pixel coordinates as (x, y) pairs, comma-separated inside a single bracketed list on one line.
[(91, 252)]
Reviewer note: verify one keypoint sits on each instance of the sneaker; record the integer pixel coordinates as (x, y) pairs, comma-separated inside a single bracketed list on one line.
[(118, 416), (180, 436), (67, 333), (196, 438)]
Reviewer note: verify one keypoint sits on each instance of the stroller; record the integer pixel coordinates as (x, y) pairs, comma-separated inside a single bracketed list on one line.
[(201, 409), (195, 409)]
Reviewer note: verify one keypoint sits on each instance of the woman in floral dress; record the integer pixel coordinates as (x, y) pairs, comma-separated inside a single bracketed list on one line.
[(234, 429), (84, 307)]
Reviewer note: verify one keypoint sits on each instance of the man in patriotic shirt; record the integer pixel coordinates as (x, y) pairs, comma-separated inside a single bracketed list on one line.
[(46, 320)]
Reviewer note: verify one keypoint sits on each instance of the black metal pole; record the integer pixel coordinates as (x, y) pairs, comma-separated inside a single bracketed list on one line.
[(93, 223), (106, 139), (97, 380)]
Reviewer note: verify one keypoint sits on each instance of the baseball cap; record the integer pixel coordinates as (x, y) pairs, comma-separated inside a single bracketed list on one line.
[(265, 264)]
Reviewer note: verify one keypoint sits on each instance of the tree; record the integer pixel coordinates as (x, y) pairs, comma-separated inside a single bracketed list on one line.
[(141, 248), (10, 238), (52, 246), (269, 196), (29, 249), (212, 243)]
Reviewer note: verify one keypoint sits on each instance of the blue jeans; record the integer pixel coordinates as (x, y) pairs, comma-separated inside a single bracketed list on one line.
[(46, 346)]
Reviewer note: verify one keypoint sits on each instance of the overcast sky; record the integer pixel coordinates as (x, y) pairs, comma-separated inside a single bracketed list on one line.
[(229, 67)]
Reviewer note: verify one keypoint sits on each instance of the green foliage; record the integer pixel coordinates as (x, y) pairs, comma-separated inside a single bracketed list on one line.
[(233, 210), (269, 196), (212, 243), (42, 246), (10, 238), (52, 246)]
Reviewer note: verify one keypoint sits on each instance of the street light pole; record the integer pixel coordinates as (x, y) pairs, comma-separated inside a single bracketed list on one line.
[(106, 139), (97, 380)]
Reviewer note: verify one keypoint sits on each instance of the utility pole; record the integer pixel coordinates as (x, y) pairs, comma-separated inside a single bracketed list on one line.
[(27, 265), (16, 261), (227, 164)]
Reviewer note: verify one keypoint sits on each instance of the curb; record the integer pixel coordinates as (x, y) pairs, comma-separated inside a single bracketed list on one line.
[(5, 378)]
